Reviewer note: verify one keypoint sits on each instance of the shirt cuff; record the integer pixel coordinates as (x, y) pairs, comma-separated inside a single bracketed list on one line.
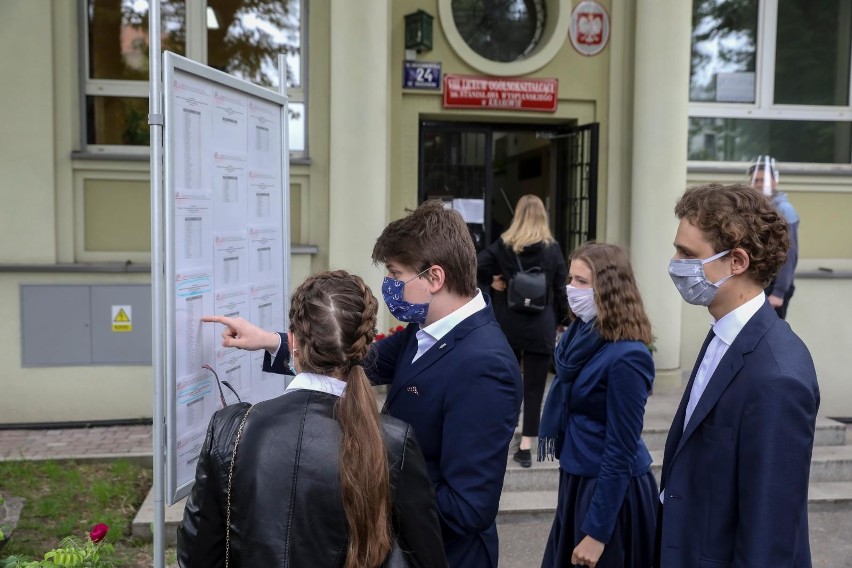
[(275, 352)]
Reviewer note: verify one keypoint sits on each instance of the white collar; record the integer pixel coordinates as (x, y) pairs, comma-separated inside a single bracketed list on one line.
[(314, 382), (729, 326), (443, 326)]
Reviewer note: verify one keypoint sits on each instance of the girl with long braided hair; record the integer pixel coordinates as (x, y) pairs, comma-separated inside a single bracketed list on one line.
[(315, 477)]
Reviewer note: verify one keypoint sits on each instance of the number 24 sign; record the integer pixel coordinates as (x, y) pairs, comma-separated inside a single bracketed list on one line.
[(421, 75)]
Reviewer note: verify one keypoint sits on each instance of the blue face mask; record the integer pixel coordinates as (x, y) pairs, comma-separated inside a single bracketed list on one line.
[(691, 281), (392, 292)]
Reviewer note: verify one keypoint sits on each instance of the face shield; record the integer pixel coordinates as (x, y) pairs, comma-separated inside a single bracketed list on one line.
[(765, 164)]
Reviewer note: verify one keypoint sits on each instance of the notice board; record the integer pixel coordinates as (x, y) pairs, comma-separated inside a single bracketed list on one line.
[(227, 249)]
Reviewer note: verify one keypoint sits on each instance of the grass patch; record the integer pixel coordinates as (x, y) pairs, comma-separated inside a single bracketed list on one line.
[(65, 498)]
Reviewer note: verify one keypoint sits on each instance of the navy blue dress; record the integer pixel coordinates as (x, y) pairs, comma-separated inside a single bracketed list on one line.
[(606, 488)]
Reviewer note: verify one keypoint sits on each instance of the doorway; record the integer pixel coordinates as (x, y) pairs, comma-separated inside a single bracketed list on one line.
[(483, 169)]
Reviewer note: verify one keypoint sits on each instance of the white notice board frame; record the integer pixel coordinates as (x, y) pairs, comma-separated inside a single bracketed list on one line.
[(226, 246)]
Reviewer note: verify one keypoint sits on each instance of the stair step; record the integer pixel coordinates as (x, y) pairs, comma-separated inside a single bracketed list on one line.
[(524, 506), (828, 432), (828, 464)]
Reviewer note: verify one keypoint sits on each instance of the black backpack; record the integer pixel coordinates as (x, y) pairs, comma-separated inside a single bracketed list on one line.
[(527, 290)]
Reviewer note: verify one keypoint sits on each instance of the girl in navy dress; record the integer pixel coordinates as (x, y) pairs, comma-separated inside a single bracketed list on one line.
[(593, 417)]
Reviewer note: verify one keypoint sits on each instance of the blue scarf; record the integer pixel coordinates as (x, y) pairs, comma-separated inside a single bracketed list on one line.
[(577, 345)]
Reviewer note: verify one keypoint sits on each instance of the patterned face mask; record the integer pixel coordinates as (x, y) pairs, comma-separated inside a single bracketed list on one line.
[(392, 292), (691, 281)]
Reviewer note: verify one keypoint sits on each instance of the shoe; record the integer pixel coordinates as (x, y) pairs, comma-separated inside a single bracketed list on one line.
[(523, 457)]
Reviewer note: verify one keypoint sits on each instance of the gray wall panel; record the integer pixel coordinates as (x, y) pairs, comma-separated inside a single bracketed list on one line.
[(55, 326)]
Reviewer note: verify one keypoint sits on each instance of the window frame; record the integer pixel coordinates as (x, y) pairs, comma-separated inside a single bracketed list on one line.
[(196, 49), (764, 107)]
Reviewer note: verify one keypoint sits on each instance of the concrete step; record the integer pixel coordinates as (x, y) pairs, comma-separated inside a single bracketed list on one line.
[(143, 523), (525, 506), (531, 493), (828, 464), (828, 433)]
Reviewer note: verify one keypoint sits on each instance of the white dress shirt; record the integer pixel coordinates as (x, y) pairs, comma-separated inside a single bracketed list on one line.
[(429, 335), (726, 330)]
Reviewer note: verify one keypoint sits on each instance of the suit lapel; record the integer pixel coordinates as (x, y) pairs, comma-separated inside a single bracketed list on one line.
[(676, 430), (729, 366), (408, 371)]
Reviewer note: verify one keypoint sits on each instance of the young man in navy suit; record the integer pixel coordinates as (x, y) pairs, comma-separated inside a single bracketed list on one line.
[(737, 458), (451, 372)]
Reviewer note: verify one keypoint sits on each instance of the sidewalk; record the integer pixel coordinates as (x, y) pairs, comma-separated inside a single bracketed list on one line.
[(81, 444)]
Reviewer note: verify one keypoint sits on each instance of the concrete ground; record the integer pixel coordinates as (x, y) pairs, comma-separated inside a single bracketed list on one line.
[(522, 543)]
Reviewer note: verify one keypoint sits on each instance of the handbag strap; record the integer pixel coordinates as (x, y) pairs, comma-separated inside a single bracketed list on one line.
[(230, 479), (518, 260)]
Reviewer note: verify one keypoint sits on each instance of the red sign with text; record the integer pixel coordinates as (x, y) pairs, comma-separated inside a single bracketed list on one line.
[(498, 93)]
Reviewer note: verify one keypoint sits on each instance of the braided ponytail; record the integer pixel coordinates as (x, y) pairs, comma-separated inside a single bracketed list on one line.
[(334, 316)]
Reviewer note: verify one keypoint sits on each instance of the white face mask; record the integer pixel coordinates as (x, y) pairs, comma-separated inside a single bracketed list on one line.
[(582, 302)]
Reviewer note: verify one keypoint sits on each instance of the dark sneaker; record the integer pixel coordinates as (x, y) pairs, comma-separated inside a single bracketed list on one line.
[(523, 457)]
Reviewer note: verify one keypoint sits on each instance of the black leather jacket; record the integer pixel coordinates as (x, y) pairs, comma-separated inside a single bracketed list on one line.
[(286, 507)]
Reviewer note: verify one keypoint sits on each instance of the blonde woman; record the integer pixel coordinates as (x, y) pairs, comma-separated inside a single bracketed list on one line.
[(527, 244)]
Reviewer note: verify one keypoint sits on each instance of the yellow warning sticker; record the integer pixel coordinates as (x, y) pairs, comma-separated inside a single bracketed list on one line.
[(122, 318)]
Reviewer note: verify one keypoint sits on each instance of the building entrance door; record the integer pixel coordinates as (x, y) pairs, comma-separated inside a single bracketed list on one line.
[(483, 169)]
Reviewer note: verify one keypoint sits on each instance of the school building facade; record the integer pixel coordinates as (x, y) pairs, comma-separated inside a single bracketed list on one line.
[(607, 110)]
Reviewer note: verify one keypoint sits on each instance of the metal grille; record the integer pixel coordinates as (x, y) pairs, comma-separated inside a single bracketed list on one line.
[(576, 220)]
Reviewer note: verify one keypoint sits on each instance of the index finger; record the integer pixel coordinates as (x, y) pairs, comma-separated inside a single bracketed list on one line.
[(216, 319)]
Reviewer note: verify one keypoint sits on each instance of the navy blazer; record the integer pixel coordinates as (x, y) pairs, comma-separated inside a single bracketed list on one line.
[(462, 397), (603, 436), (736, 480)]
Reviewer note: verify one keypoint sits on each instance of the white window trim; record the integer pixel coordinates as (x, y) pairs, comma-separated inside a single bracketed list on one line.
[(196, 49), (764, 106)]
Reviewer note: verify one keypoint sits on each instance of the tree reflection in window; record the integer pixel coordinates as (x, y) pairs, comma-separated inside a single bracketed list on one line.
[(724, 36), (118, 36), (249, 35)]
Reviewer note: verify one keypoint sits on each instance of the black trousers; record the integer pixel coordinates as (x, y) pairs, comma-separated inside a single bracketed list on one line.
[(535, 367)]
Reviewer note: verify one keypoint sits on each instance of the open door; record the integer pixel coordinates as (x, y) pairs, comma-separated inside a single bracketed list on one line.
[(482, 170), (576, 178)]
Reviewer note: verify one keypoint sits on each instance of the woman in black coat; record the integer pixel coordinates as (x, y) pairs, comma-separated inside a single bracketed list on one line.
[(527, 243), (315, 477)]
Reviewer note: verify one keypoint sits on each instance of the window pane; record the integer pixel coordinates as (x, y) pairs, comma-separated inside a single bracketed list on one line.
[(245, 38), (296, 127), (812, 52), (500, 30), (724, 39), (742, 140), (118, 36), (117, 120)]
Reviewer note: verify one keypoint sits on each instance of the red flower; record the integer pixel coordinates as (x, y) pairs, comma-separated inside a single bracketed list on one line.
[(399, 328), (98, 532), (380, 336)]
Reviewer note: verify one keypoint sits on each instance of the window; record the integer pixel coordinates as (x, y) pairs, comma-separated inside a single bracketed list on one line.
[(240, 37), (500, 30), (505, 38), (771, 76)]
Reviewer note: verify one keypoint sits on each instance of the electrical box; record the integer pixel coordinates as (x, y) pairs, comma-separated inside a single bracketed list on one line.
[(63, 325)]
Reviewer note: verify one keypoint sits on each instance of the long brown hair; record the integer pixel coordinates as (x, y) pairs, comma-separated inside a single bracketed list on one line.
[(529, 225), (621, 314), (333, 317)]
